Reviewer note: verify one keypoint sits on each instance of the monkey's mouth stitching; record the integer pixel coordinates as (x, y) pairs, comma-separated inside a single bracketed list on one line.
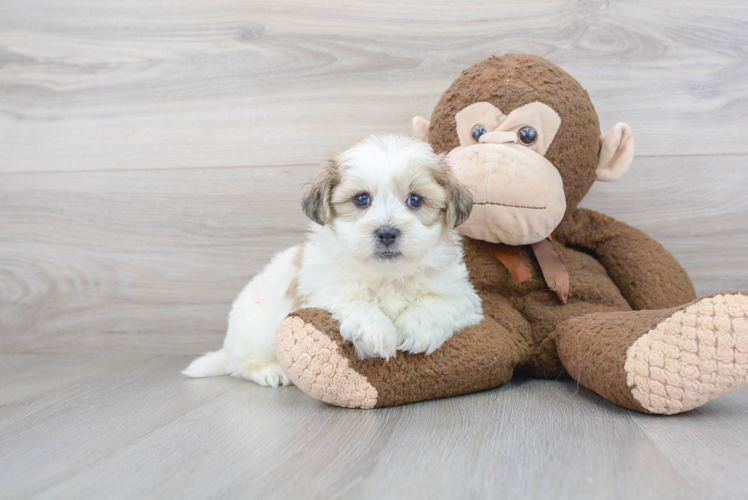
[(510, 206)]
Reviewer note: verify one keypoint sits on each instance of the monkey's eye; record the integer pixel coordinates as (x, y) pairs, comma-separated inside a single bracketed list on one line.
[(414, 201), (362, 200), (477, 131), (527, 136)]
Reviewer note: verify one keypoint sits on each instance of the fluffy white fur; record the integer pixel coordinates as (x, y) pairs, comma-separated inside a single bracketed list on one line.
[(413, 301)]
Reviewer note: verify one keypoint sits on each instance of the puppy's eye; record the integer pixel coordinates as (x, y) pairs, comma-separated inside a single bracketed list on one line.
[(414, 201), (477, 131), (362, 200), (527, 136)]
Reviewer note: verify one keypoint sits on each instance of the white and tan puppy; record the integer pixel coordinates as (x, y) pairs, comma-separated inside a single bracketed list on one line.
[(382, 257)]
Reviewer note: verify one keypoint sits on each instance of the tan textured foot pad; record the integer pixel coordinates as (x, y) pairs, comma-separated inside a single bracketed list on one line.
[(694, 356), (314, 364)]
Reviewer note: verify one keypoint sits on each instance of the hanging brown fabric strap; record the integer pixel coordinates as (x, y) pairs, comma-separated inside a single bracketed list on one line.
[(554, 271), (512, 260)]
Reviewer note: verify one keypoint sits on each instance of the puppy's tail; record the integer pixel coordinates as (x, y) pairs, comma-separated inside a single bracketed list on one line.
[(211, 364)]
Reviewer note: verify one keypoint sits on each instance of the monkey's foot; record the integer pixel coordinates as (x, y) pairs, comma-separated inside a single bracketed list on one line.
[(694, 356), (314, 362)]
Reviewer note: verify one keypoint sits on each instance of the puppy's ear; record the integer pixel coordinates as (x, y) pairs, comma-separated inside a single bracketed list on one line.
[(459, 199), (459, 203), (317, 201)]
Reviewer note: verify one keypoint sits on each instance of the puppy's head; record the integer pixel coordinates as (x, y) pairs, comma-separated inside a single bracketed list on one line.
[(388, 199)]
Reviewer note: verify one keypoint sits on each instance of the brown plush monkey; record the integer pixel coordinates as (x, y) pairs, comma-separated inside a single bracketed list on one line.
[(565, 290)]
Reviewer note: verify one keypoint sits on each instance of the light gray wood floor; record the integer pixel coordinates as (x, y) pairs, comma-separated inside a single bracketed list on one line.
[(130, 426), (152, 155)]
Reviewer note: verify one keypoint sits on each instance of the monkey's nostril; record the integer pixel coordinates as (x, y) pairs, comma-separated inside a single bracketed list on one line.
[(387, 234)]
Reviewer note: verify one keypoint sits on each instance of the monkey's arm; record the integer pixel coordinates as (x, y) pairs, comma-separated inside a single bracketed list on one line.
[(648, 276)]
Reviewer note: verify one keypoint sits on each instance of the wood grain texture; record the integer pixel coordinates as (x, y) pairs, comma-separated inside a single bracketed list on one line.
[(710, 426), (151, 260), (141, 430), (88, 85), (137, 260), (31, 383)]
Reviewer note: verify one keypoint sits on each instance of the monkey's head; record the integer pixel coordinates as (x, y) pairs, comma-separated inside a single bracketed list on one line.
[(522, 134)]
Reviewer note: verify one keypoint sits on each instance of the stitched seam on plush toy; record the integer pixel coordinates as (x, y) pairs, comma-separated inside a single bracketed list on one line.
[(510, 206)]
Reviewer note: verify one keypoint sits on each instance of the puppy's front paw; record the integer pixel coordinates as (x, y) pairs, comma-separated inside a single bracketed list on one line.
[(420, 332), (372, 335)]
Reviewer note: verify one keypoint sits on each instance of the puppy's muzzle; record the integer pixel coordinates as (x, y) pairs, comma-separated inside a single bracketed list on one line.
[(387, 235)]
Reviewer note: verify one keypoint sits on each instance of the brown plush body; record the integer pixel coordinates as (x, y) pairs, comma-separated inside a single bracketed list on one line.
[(632, 329)]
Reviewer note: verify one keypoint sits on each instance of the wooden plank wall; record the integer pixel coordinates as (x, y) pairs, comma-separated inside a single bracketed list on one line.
[(152, 152)]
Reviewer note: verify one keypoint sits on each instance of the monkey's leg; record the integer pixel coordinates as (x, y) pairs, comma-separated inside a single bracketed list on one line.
[(664, 361), (318, 361)]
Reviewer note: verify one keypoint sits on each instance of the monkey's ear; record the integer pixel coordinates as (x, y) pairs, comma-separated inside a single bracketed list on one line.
[(317, 201), (616, 153), (421, 128)]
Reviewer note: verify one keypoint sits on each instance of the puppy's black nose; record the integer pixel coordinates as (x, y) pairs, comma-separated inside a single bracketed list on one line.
[(387, 234)]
